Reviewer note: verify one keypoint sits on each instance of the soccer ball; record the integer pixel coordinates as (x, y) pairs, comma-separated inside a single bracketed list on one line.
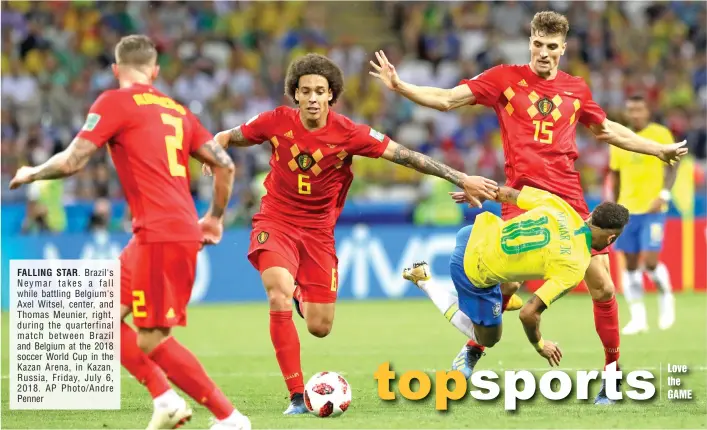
[(327, 394)]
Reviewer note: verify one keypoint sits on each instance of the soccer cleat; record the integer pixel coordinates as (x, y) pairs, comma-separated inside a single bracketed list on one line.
[(467, 359), (667, 311), (634, 327), (297, 405), (602, 398), (419, 272), (297, 299), (236, 421), (170, 417), (514, 303)]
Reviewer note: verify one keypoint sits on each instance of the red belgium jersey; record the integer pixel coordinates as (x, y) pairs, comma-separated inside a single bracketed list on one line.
[(150, 138), (538, 120), (310, 171)]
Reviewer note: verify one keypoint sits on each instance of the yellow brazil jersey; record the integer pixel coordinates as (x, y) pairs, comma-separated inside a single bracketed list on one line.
[(550, 241), (641, 175)]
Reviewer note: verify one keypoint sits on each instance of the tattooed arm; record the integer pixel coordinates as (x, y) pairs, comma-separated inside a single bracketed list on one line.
[(508, 195), (475, 187), (232, 137), (223, 169), (61, 165)]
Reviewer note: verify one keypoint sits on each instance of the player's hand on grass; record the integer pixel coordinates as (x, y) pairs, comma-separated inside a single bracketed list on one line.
[(205, 170), (672, 153), (385, 71), (551, 351), (23, 176), (212, 229)]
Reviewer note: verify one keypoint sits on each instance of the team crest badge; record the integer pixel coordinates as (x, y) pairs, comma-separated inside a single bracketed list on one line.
[(496, 309), (545, 106), (263, 237), (305, 161)]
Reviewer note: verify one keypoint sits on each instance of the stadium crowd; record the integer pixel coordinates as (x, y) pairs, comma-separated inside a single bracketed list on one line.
[(226, 61)]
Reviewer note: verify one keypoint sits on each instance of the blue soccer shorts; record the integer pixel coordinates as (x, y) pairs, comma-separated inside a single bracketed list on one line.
[(481, 305), (642, 233)]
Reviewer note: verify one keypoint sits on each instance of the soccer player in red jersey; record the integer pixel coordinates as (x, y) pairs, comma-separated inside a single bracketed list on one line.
[(150, 138), (292, 241), (539, 107)]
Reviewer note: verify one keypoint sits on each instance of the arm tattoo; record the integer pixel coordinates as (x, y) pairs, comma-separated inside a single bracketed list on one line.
[(67, 162), (508, 195), (532, 330), (424, 164), (218, 156), (236, 138)]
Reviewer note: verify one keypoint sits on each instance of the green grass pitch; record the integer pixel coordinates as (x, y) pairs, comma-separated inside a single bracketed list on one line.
[(233, 342)]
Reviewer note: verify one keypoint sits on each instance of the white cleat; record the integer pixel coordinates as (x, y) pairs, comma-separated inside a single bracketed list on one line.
[(236, 421), (419, 272), (170, 417), (634, 327), (667, 312)]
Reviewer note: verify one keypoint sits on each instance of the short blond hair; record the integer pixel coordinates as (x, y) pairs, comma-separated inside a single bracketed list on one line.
[(549, 23), (136, 50)]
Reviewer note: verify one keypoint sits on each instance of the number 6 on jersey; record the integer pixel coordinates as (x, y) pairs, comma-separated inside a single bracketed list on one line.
[(303, 186)]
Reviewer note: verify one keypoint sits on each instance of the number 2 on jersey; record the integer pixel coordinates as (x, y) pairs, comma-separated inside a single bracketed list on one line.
[(529, 235), (543, 131), (174, 144)]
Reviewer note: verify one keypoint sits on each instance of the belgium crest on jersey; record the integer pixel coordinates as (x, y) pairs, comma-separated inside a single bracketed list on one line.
[(262, 237), (545, 106), (305, 161)]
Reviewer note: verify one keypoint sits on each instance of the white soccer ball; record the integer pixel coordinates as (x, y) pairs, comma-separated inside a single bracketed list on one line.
[(327, 394)]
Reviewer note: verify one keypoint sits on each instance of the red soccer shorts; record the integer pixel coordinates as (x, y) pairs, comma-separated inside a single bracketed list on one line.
[(156, 281), (510, 211), (308, 254)]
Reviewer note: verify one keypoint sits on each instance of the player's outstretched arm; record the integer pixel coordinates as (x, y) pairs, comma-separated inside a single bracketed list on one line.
[(475, 187), (61, 165), (435, 98), (214, 156), (530, 318), (622, 137), (232, 137)]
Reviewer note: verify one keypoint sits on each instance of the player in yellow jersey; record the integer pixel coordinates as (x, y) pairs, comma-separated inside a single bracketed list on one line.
[(550, 241), (642, 184)]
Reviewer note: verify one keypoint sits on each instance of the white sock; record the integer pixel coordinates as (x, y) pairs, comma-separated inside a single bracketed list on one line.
[(633, 286), (633, 292), (167, 399), (661, 278), (448, 304)]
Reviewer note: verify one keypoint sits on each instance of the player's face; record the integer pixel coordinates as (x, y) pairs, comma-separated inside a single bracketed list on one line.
[(603, 239), (313, 96), (637, 113), (545, 52)]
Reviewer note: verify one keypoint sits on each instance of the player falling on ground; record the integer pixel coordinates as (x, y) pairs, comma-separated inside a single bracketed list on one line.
[(550, 241), (292, 241), (150, 138), (643, 185), (539, 107)]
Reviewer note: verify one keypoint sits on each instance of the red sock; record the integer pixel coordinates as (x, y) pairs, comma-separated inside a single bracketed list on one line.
[(139, 364), (506, 299), (606, 321), (473, 344), (287, 350), (185, 371)]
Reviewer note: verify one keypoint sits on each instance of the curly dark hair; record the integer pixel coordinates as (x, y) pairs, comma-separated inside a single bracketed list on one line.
[(314, 64), (610, 216)]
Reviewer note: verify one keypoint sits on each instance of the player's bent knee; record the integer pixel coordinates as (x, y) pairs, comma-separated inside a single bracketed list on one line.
[(488, 336), (149, 338), (279, 287), (601, 290), (320, 328)]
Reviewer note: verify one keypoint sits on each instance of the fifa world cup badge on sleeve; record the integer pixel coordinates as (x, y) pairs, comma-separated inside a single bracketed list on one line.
[(91, 122), (377, 135)]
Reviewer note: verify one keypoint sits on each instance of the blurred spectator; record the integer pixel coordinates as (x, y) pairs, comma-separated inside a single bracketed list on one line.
[(226, 60)]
